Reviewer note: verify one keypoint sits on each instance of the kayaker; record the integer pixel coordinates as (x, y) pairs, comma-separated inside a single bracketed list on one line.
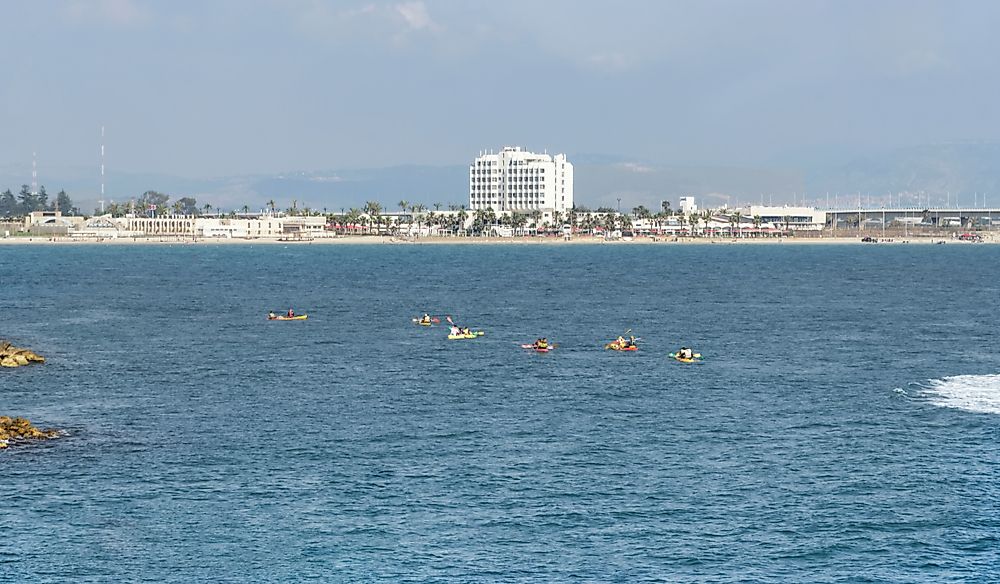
[(466, 331), (685, 353), (426, 319), (631, 341), (542, 343), (271, 315), (291, 313), (621, 342), (455, 331)]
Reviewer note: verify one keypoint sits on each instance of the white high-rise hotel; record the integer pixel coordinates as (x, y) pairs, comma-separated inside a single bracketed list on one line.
[(515, 180)]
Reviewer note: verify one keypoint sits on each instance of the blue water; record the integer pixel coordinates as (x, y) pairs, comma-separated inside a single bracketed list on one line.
[(844, 426)]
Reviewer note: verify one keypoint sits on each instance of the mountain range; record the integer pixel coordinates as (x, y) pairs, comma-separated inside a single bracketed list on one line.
[(965, 170)]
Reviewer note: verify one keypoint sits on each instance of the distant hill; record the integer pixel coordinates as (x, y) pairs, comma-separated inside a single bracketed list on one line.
[(937, 168), (600, 181)]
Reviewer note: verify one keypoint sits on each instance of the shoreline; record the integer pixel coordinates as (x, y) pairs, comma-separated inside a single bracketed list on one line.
[(437, 240)]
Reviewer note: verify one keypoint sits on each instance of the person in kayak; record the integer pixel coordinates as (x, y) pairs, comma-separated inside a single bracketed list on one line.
[(466, 331), (426, 319), (621, 342), (542, 343), (685, 353), (271, 315), (291, 313), (455, 331)]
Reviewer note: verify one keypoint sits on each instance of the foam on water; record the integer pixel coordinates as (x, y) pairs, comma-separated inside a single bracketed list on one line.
[(973, 393)]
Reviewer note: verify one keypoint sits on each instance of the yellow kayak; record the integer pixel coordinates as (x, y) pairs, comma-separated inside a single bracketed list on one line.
[(471, 335), (297, 317)]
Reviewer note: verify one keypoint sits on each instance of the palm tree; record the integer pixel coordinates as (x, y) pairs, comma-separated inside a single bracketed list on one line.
[(431, 220), (518, 221), (437, 206), (734, 222), (478, 220), (641, 212), (353, 218), (536, 217), (609, 222), (418, 209), (757, 221), (462, 216), (490, 217), (626, 222), (693, 219), (403, 205), (270, 203), (207, 208), (572, 217)]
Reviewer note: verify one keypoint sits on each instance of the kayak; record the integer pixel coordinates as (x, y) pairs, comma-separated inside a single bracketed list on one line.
[(616, 347), (471, 335), (298, 317), (676, 357), (538, 349), (422, 323)]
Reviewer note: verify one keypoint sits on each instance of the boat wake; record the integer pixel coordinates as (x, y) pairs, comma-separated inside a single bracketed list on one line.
[(972, 393)]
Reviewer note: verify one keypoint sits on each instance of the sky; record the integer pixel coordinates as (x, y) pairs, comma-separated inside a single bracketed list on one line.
[(216, 88)]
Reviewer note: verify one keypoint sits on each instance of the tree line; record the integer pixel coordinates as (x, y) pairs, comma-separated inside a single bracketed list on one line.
[(26, 202), (153, 204)]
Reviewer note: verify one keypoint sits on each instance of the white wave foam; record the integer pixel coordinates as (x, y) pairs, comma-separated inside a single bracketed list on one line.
[(973, 393)]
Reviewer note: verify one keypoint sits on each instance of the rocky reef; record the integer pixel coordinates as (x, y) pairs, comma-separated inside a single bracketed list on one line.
[(11, 356), (13, 430)]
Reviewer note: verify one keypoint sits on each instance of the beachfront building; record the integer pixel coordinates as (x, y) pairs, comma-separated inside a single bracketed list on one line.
[(245, 226), (514, 180), (785, 217), (687, 205)]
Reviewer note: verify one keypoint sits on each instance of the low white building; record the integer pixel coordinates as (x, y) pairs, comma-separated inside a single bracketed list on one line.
[(251, 227), (796, 218), (517, 180)]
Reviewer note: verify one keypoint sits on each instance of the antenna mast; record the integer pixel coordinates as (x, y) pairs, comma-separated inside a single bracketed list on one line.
[(102, 168)]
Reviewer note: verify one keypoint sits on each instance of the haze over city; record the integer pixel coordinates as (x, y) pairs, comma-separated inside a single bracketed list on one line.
[(755, 95)]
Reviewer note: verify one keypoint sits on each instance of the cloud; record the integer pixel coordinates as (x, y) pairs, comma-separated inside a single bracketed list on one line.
[(611, 62), (121, 13), (636, 167), (919, 60), (415, 15), (392, 22)]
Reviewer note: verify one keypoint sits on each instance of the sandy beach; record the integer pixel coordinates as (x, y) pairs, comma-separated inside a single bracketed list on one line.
[(434, 240)]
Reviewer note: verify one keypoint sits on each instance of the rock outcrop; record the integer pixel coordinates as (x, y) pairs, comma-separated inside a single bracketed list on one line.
[(11, 356), (13, 430)]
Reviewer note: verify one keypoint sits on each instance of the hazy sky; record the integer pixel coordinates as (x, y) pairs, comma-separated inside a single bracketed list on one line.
[(215, 88)]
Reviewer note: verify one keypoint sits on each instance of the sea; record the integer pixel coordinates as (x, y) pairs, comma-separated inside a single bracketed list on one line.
[(843, 425)]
